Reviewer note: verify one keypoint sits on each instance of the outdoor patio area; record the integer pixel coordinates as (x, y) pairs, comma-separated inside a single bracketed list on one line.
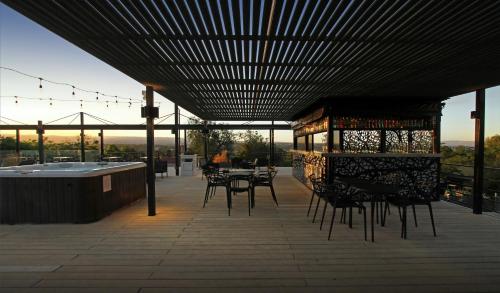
[(189, 249)]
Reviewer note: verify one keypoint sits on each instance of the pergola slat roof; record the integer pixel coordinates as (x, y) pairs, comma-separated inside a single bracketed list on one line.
[(268, 60)]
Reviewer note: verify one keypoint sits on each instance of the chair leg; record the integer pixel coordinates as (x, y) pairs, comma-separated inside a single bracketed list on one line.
[(372, 220), (249, 202), (323, 216), (253, 197), (364, 221), (214, 189), (350, 217), (432, 220), (316, 211), (385, 213), (331, 223), (229, 201), (376, 211), (404, 223), (206, 196), (414, 215), (310, 204), (342, 216), (273, 194)]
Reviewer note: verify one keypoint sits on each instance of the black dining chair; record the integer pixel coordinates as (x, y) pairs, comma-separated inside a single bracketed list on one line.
[(240, 183), (342, 196), (264, 178), (214, 179), (413, 197), (315, 182)]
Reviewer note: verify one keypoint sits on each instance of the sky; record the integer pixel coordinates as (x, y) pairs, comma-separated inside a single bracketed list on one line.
[(32, 49)]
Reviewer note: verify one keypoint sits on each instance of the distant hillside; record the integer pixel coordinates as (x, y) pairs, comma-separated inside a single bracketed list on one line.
[(453, 143), (131, 140)]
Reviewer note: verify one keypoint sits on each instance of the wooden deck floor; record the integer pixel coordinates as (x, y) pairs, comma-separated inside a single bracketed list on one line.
[(189, 249)]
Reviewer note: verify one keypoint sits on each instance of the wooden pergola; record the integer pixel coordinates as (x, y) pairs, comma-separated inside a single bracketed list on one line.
[(269, 60)]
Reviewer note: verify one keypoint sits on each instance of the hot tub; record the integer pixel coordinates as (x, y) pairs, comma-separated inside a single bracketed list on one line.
[(68, 192)]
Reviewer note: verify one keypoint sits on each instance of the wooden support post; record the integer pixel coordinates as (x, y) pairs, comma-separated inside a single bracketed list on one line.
[(295, 143), (150, 139), (101, 145), (478, 186), (41, 151), (176, 137), (82, 138), (18, 143)]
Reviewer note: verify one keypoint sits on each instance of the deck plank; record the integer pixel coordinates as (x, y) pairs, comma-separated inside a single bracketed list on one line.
[(186, 248)]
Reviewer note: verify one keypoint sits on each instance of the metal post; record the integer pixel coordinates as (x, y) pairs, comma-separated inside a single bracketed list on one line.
[(477, 206), (185, 141), (82, 138), (437, 135), (271, 145), (101, 135), (40, 132), (409, 148), (176, 135), (205, 141), (383, 141), (150, 133), (329, 141), (18, 143)]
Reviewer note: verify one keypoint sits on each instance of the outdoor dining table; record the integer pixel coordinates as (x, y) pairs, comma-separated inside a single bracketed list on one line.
[(232, 173)]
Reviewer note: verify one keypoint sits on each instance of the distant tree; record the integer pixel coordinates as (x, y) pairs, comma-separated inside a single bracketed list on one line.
[(217, 140), (252, 145)]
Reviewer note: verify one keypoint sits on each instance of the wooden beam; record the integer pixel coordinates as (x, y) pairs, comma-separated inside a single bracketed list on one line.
[(82, 138), (144, 126), (478, 115), (41, 152), (176, 137), (101, 145), (18, 143), (150, 143)]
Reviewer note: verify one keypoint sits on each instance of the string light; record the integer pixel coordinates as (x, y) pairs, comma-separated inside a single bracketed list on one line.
[(16, 100), (81, 103), (50, 102), (73, 93), (116, 99), (73, 86), (97, 96)]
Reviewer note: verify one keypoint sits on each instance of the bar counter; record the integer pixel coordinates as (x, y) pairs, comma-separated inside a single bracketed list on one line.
[(415, 170)]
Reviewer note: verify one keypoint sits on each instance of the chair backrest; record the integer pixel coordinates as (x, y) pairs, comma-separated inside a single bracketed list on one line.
[(237, 180)]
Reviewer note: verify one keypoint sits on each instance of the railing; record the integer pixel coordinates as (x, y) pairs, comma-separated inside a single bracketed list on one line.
[(10, 158), (459, 179)]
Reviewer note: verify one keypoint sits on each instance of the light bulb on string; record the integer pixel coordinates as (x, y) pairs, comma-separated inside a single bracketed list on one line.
[(40, 84), (17, 102), (50, 99), (97, 96), (107, 105), (81, 104), (73, 93), (116, 100)]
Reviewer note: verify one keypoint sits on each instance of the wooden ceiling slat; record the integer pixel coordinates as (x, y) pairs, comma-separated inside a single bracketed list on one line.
[(269, 59)]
